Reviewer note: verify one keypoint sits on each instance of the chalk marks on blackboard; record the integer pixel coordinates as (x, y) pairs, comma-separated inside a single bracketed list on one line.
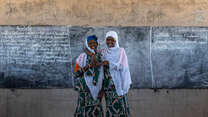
[(179, 54), (37, 56), (159, 57)]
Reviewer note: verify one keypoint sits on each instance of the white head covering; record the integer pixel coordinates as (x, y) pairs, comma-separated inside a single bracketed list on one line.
[(114, 35), (118, 63), (94, 89), (86, 45)]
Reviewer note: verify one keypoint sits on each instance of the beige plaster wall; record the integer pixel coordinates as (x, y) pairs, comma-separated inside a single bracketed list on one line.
[(105, 12)]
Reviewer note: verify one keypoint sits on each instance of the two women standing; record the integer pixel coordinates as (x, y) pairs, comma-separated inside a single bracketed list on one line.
[(104, 72)]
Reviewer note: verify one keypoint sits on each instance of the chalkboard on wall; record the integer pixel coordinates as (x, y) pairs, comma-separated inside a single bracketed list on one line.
[(180, 57), (35, 57), (159, 57)]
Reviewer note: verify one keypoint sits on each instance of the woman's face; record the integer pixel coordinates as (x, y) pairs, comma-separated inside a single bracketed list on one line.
[(110, 41), (92, 44)]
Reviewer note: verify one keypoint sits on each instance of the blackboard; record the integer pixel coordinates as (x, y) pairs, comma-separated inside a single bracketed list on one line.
[(35, 57), (180, 57), (159, 57)]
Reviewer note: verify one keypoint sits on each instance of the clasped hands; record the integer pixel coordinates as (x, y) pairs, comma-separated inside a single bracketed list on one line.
[(93, 61)]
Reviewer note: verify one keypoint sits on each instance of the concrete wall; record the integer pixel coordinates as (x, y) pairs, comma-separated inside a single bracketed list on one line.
[(105, 12), (143, 103)]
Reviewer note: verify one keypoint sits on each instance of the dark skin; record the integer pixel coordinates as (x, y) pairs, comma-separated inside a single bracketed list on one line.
[(110, 42), (93, 55), (93, 45)]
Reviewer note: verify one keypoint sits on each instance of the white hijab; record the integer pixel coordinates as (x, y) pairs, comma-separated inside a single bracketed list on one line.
[(94, 89), (118, 63)]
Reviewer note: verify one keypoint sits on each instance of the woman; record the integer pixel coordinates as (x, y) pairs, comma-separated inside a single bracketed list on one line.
[(117, 79), (88, 75)]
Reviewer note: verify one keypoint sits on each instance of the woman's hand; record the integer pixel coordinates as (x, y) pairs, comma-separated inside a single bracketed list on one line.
[(86, 67), (99, 64), (88, 52), (105, 63), (93, 60), (101, 93)]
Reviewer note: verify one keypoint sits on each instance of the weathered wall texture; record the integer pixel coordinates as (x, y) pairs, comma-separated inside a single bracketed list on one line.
[(143, 103), (104, 12)]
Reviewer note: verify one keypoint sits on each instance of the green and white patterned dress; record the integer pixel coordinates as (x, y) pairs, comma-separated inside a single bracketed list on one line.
[(116, 106), (86, 105)]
